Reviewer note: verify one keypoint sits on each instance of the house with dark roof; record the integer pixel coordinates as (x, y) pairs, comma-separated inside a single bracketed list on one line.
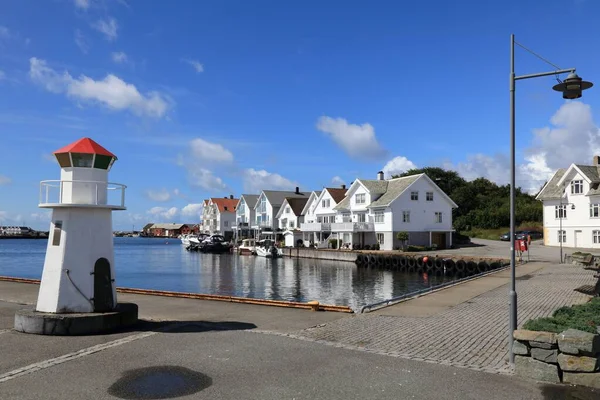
[(571, 200), (267, 207), (290, 213), (320, 214), (374, 211)]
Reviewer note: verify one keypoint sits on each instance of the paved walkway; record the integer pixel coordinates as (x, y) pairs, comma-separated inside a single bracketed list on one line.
[(472, 334)]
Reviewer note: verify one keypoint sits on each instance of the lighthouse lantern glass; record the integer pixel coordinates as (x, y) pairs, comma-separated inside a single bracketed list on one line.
[(102, 162), (63, 160), (82, 160)]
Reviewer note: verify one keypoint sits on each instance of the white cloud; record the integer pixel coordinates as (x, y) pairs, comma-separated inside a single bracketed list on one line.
[(4, 180), (397, 165), (163, 213), (119, 57), (108, 27), (158, 195), (83, 4), (192, 210), (573, 137), (358, 141), (41, 216), (111, 92), (336, 180), (81, 41), (257, 180), (2, 75), (210, 152), (197, 65), (205, 179)]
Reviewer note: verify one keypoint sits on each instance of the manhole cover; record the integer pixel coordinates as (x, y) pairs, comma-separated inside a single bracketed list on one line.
[(164, 382)]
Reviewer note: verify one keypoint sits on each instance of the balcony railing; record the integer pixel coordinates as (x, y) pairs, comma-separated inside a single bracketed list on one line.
[(315, 227), (353, 227), (85, 193)]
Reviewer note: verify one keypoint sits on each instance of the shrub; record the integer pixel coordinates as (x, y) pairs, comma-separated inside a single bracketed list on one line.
[(299, 243), (402, 236), (356, 246), (366, 247), (333, 243), (375, 246), (413, 248), (584, 317)]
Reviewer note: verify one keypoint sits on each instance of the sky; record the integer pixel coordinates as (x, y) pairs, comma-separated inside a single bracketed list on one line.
[(204, 99)]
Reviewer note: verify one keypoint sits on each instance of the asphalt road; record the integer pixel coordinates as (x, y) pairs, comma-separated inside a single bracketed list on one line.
[(191, 363)]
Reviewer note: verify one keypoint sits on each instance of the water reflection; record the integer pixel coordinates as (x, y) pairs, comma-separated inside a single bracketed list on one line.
[(166, 265)]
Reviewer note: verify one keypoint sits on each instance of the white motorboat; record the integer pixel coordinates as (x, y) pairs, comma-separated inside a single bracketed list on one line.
[(266, 248), (185, 239), (248, 247)]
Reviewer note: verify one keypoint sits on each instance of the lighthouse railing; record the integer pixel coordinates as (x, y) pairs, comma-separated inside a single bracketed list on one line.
[(93, 193)]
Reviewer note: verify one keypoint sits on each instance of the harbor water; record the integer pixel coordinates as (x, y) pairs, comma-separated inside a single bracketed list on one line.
[(164, 264)]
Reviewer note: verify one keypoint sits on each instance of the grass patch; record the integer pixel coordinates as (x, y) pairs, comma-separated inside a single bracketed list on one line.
[(585, 317)]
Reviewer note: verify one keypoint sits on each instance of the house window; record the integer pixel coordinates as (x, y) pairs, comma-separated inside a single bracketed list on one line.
[(225, 223), (325, 203), (380, 238), (319, 219), (594, 210), (562, 236), (577, 187), (596, 237), (346, 217), (560, 211), (291, 224), (287, 210), (359, 198), (429, 196), (414, 195), (346, 238), (379, 217), (362, 217), (406, 216), (438, 217)]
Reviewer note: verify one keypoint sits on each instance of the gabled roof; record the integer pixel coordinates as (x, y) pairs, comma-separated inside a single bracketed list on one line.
[(250, 199), (314, 195), (337, 194), (395, 188), (225, 205), (277, 197), (372, 186), (552, 190), (85, 146), (168, 226), (296, 205), (148, 226)]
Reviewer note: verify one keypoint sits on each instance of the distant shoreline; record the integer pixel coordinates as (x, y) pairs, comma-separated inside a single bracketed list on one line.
[(23, 237)]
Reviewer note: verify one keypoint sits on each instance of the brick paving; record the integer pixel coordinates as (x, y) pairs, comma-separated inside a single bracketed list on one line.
[(471, 335)]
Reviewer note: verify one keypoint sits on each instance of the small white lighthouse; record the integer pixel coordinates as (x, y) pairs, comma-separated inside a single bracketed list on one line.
[(78, 274)]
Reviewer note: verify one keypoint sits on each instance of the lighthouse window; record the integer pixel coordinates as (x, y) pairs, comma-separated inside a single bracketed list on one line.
[(82, 160), (63, 160), (56, 233), (102, 162)]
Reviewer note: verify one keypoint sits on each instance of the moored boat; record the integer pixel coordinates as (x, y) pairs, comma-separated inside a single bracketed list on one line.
[(248, 247), (266, 248)]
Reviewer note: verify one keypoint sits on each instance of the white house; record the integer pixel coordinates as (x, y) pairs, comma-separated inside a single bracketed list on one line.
[(571, 202), (320, 213), (245, 215), (204, 223), (374, 211), (267, 207), (221, 215), (290, 218)]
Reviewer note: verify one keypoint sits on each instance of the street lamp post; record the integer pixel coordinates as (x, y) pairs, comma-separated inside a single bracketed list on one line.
[(571, 88)]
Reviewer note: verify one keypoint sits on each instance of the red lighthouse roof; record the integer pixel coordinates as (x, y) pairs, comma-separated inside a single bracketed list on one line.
[(85, 146)]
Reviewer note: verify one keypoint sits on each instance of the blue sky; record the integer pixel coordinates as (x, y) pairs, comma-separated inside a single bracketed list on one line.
[(211, 98)]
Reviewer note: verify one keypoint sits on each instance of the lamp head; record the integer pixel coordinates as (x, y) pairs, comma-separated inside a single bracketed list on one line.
[(572, 206), (572, 86)]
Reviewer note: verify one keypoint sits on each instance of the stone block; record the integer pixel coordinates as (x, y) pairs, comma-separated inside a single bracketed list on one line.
[(520, 348), (547, 356), (576, 342), (543, 345), (582, 379), (527, 367), (578, 363), (534, 336)]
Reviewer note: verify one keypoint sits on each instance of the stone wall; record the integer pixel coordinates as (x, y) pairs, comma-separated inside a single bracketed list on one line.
[(572, 357)]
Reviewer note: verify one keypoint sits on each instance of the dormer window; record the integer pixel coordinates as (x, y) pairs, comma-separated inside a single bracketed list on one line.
[(577, 187), (359, 198)]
